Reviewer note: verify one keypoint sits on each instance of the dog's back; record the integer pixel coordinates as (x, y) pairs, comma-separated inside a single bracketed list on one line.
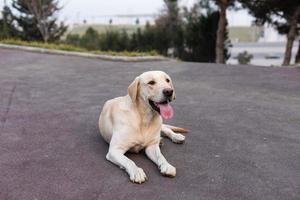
[(110, 113)]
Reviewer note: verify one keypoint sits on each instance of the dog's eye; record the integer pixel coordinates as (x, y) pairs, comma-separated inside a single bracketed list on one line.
[(151, 82), (168, 80)]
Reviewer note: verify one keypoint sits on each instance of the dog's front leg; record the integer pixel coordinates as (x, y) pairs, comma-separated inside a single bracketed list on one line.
[(154, 153), (136, 174)]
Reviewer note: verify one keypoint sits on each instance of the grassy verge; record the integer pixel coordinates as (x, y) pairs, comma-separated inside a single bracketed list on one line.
[(67, 47)]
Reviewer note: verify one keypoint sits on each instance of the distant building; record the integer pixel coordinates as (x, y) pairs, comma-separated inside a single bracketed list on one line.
[(124, 19), (242, 29), (255, 34), (245, 33)]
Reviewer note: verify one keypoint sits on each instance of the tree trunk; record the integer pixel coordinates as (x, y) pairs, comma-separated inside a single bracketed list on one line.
[(291, 37), (297, 59), (220, 57)]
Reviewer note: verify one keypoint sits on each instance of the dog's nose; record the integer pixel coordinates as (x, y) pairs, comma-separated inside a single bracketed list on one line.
[(168, 92)]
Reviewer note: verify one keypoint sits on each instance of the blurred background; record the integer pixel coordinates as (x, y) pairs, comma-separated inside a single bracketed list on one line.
[(257, 32)]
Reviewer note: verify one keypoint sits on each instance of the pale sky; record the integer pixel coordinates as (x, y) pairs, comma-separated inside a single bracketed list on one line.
[(92, 10)]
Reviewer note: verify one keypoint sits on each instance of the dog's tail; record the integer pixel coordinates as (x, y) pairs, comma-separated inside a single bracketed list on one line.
[(175, 128)]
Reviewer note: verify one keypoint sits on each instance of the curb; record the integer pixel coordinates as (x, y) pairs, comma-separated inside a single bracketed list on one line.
[(85, 55)]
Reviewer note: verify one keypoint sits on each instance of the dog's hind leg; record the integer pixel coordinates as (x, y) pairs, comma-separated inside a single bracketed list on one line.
[(176, 128), (175, 137)]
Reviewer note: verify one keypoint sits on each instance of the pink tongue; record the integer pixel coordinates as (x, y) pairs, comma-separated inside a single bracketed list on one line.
[(166, 111)]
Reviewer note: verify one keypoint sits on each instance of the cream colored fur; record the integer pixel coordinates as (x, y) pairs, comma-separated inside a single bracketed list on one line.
[(129, 123)]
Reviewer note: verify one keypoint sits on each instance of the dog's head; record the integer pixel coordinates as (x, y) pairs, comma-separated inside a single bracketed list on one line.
[(156, 89)]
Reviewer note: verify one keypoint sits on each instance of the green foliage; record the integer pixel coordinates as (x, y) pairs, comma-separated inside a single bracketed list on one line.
[(274, 12), (146, 40), (90, 40), (191, 37), (73, 39), (170, 25), (200, 36), (244, 58), (36, 20), (151, 38), (6, 31), (195, 39), (285, 16), (111, 41), (24, 23)]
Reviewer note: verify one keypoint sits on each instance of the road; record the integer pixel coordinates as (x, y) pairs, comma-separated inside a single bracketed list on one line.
[(244, 140)]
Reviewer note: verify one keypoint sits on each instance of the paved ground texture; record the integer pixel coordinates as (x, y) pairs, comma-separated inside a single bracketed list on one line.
[(244, 141)]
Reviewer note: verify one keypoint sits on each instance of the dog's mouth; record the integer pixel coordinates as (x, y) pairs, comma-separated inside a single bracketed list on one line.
[(163, 108)]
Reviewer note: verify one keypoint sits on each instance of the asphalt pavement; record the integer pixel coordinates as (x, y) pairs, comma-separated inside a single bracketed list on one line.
[(244, 140)]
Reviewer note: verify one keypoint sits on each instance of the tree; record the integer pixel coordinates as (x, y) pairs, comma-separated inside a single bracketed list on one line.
[(90, 39), (153, 37), (36, 20), (283, 15), (223, 5), (123, 42), (297, 58), (200, 32), (170, 23), (6, 30), (293, 20), (191, 36)]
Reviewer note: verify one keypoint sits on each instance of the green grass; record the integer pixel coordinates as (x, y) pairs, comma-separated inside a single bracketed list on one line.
[(127, 53), (102, 28), (67, 47)]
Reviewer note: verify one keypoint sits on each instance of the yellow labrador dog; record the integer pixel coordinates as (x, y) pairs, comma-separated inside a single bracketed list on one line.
[(134, 122)]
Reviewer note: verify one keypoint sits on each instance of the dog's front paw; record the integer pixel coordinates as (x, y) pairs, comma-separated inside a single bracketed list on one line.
[(138, 176), (178, 138), (168, 170)]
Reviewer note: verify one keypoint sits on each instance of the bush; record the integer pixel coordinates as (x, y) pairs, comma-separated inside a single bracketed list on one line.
[(90, 40), (191, 39), (110, 41), (6, 30), (151, 38), (73, 39), (244, 58)]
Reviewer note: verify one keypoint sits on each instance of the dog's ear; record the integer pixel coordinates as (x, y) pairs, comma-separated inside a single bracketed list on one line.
[(133, 89)]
